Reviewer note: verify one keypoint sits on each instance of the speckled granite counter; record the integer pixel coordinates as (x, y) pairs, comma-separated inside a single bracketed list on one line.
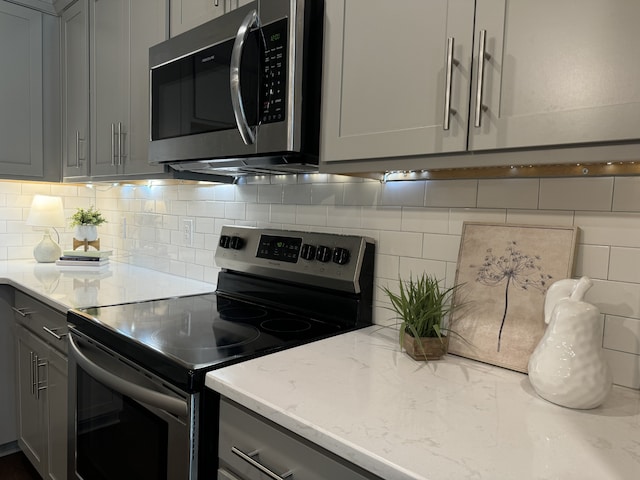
[(357, 396), (120, 283)]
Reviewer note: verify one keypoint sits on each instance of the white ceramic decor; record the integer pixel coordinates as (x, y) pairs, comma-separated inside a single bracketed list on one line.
[(568, 367)]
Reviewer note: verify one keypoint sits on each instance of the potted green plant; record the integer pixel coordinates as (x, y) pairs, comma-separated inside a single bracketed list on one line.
[(422, 306), (86, 222)]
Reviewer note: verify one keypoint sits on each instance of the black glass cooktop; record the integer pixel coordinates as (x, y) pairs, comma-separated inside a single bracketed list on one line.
[(182, 338)]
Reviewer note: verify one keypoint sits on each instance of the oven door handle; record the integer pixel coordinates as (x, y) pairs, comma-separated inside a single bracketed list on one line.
[(246, 132), (141, 394)]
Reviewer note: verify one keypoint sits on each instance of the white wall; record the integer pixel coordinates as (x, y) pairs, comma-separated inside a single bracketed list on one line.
[(416, 225)]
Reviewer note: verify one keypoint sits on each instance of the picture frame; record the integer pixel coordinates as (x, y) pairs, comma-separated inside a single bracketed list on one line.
[(504, 271)]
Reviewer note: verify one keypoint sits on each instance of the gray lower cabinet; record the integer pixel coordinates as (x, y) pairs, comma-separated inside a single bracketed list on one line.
[(417, 80), (29, 97), (41, 372), (106, 87), (250, 445)]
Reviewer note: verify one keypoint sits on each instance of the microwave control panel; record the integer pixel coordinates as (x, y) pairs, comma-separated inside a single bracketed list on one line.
[(274, 76)]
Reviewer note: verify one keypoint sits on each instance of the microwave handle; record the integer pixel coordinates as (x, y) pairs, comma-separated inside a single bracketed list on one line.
[(137, 392), (246, 132)]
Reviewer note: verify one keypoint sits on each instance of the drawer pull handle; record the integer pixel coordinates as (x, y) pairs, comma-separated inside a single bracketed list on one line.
[(52, 331), (23, 312), (249, 458)]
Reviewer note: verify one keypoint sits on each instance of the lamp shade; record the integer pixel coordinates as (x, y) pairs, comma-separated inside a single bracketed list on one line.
[(46, 211)]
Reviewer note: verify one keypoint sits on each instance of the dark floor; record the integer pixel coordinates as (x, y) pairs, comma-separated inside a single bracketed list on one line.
[(17, 467)]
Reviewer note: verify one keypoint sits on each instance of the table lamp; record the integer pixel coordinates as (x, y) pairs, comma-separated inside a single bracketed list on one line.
[(46, 211)]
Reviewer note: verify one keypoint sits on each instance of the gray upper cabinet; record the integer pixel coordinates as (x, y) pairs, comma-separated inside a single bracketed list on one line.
[(29, 124), (385, 81), (106, 87), (121, 33), (547, 73), (187, 14), (556, 73), (75, 90)]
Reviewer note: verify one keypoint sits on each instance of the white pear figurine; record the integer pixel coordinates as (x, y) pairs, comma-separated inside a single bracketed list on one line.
[(568, 366)]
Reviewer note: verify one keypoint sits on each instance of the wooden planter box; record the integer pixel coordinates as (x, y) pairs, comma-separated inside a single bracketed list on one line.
[(433, 347)]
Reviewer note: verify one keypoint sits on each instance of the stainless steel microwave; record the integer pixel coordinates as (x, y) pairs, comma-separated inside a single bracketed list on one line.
[(240, 94)]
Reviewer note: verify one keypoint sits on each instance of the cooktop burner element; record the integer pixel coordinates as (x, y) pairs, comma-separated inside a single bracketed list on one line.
[(277, 289)]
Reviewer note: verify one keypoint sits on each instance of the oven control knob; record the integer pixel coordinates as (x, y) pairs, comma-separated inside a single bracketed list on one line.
[(308, 252), (236, 243), (323, 254), (224, 241), (341, 256)]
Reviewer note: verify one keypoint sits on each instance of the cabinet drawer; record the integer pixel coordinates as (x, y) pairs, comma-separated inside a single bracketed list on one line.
[(44, 321), (244, 434)]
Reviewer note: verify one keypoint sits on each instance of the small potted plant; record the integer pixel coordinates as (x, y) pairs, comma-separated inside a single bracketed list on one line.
[(422, 306), (86, 222)]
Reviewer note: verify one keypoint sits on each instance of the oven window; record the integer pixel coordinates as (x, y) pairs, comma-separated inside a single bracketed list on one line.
[(116, 436)]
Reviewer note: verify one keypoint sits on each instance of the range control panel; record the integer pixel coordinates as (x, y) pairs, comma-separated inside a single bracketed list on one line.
[(304, 257)]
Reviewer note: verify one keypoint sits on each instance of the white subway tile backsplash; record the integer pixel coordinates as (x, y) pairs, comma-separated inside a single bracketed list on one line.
[(625, 368), (269, 193), (432, 220), (624, 264), (327, 194), (451, 193), (235, 211), (561, 218), (387, 266), (458, 216), (340, 216), (622, 334), (626, 194), (258, 211), (366, 193), (441, 247), (413, 267), (381, 218), (576, 193), (592, 261), (404, 244), (403, 193), (315, 215), (283, 214), (509, 193), (615, 229), (296, 194), (615, 298)]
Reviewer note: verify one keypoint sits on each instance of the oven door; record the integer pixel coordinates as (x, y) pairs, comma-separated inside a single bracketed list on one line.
[(123, 421)]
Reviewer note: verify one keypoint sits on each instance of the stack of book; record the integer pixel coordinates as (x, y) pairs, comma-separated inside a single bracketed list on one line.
[(78, 259)]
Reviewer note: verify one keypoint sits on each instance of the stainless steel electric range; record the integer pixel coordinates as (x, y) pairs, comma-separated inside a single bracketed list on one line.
[(138, 407)]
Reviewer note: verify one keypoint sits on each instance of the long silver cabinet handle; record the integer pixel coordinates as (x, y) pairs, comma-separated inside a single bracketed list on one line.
[(482, 55), (448, 111), (77, 148), (32, 376), (39, 364), (113, 144), (248, 457), (137, 392), (23, 312), (52, 331), (246, 132), (121, 134)]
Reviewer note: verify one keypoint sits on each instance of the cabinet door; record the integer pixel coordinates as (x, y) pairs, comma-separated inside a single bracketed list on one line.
[(109, 85), (56, 416), (31, 374), (558, 72), (148, 20), (75, 89), (21, 100), (385, 78), (186, 14)]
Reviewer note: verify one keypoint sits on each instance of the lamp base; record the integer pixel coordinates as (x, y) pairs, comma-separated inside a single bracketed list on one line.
[(47, 251)]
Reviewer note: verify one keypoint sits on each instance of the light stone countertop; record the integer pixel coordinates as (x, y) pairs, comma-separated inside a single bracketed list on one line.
[(357, 396), (73, 288)]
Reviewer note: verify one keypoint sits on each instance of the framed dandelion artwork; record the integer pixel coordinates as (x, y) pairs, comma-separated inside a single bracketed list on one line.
[(505, 271)]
